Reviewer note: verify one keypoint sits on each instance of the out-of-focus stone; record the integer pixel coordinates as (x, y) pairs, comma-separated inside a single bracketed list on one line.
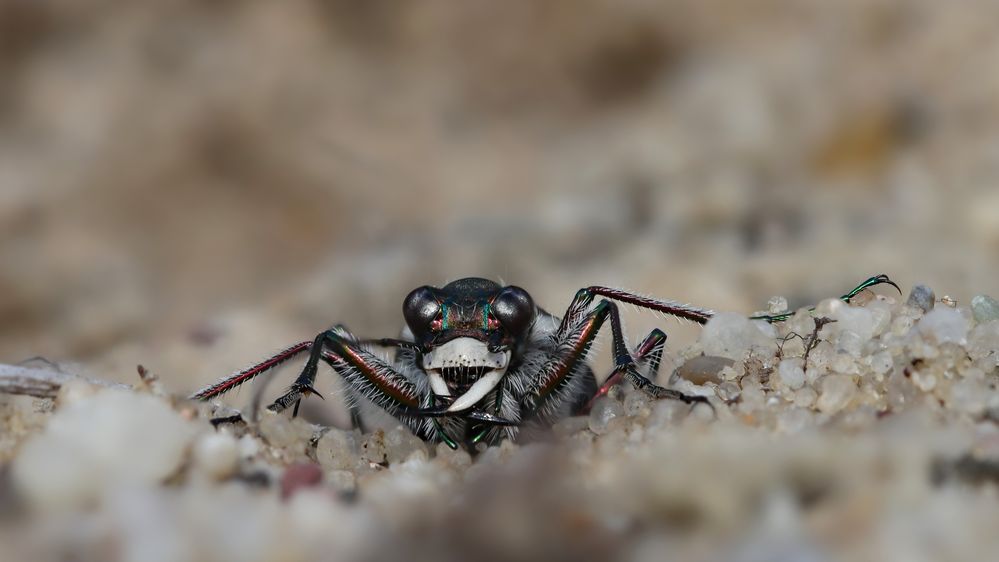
[(342, 480), (373, 447), (844, 364), (900, 325), (791, 373), (985, 309), (863, 298), (570, 426), (282, 431), (984, 341), (944, 325), (851, 342), (855, 319), (728, 391), (74, 391), (454, 459), (605, 414), (636, 404), (753, 397), (828, 308), (667, 413), (299, 476), (968, 395), (249, 446), (802, 323), (924, 380), (922, 297), (881, 316), (401, 444), (836, 393), (805, 398), (819, 359), (338, 450), (216, 454), (794, 420), (112, 438), (881, 362), (704, 369), (733, 336)]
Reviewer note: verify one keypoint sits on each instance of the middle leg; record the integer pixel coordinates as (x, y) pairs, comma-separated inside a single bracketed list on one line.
[(555, 377), (649, 353)]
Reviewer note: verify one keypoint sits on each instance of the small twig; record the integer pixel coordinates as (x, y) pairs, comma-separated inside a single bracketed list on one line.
[(811, 342), (813, 339), (790, 336), (42, 383), (40, 359), (147, 377)]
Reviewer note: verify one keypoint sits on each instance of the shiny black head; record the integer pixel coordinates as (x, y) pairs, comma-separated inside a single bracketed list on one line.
[(470, 307)]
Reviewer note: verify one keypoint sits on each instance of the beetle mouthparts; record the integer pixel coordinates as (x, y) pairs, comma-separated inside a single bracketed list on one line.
[(466, 368), (460, 379)]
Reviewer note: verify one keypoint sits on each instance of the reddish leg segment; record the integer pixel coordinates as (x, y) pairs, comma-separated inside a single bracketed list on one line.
[(366, 374), (239, 377)]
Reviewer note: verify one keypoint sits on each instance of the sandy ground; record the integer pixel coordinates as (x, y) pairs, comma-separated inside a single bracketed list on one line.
[(872, 437)]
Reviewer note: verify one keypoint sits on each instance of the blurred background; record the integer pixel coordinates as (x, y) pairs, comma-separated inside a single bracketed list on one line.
[(190, 185)]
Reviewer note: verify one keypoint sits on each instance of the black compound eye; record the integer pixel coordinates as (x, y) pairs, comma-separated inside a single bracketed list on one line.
[(514, 308), (420, 309)]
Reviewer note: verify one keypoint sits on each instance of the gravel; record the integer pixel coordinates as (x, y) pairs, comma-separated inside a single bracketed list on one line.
[(886, 435)]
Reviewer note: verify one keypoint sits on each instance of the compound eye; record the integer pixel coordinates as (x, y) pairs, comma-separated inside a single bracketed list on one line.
[(514, 308), (420, 309)]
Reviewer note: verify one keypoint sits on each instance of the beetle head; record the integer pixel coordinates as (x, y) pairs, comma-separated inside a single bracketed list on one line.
[(468, 331), (473, 308)]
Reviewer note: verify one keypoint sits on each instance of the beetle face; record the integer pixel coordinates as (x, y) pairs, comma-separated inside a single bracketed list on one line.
[(468, 330)]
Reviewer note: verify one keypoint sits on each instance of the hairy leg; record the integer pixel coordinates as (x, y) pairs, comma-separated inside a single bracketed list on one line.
[(558, 373), (365, 374), (649, 352), (232, 381)]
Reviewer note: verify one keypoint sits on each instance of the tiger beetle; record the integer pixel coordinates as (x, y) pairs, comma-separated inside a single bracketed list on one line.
[(478, 362)]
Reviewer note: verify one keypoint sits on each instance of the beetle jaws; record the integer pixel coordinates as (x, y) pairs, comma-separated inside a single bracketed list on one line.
[(463, 361)]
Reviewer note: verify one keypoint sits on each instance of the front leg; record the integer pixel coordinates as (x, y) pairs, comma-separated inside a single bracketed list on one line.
[(232, 381), (303, 385), (365, 374)]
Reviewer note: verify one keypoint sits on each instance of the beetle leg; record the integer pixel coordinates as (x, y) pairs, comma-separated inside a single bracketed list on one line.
[(303, 385), (365, 374), (881, 279), (239, 377), (556, 374), (681, 310), (584, 297), (625, 364), (649, 352), (391, 342)]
